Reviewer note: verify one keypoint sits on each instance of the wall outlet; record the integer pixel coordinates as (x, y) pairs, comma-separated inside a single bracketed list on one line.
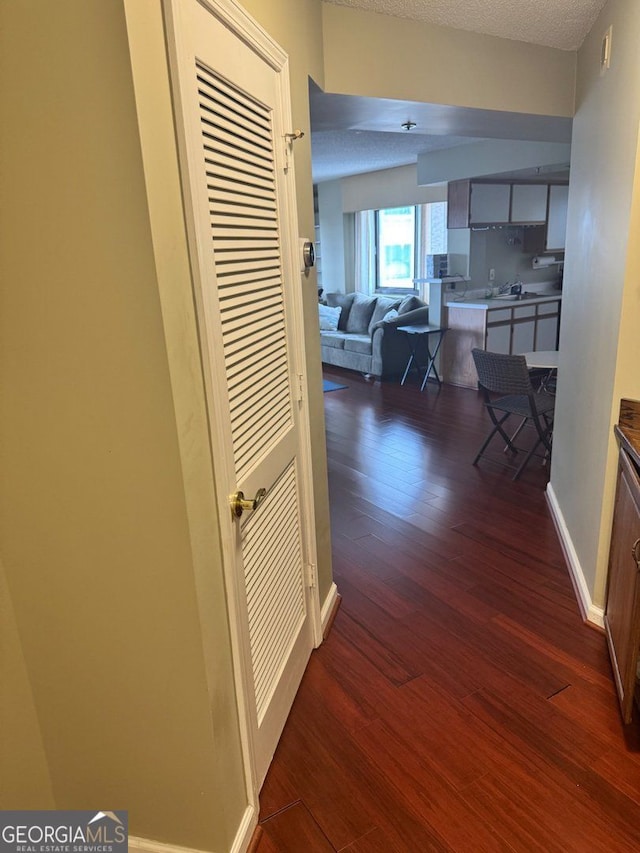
[(492, 275)]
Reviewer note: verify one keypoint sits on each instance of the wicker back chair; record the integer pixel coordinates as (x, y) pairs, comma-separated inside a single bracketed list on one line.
[(508, 377)]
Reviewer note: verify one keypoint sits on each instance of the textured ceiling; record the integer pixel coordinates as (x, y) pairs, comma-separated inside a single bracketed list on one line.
[(554, 23), (336, 154), (351, 135)]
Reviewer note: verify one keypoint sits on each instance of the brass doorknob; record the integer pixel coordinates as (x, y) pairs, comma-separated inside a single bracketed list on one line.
[(635, 552), (239, 503)]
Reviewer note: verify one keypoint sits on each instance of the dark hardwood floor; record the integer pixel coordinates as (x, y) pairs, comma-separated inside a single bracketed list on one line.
[(459, 702)]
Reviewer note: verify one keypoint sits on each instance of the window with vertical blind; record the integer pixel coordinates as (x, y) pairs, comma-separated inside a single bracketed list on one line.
[(392, 244)]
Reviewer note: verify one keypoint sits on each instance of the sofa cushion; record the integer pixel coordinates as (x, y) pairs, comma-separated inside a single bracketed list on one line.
[(332, 339), (341, 300), (357, 343), (383, 305), (360, 313), (329, 317)]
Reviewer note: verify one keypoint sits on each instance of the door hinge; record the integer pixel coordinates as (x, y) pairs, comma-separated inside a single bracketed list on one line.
[(300, 388), (289, 139), (312, 575)]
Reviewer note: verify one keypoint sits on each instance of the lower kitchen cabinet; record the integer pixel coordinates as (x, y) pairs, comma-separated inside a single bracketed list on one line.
[(510, 328), (497, 338), (622, 614), (523, 333)]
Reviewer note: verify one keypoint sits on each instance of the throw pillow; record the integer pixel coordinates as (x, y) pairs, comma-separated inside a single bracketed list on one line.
[(409, 303), (390, 315), (383, 306), (341, 300), (360, 314), (329, 317)]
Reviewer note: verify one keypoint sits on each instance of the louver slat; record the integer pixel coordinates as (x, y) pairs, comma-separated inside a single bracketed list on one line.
[(231, 282), (223, 174), (234, 196)]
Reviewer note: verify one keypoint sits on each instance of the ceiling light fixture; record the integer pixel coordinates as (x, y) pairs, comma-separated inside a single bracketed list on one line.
[(408, 125)]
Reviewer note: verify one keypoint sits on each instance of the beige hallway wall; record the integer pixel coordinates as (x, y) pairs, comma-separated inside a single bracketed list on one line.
[(381, 56), (95, 529)]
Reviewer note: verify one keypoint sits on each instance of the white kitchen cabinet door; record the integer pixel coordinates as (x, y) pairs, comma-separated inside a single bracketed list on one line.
[(524, 329), (529, 203), (557, 221), (499, 339), (524, 335), (490, 203), (547, 333)]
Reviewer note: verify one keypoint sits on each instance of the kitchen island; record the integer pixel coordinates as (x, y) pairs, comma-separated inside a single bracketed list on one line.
[(500, 324)]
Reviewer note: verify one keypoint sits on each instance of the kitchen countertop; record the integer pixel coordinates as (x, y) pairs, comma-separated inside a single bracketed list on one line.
[(498, 303)]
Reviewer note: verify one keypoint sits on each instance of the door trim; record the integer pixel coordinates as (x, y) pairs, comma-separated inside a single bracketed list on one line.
[(244, 27)]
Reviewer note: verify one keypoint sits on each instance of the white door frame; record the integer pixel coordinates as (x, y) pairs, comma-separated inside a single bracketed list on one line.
[(245, 28)]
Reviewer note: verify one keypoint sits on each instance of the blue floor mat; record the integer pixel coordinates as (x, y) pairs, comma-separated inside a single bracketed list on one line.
[(331, 386)]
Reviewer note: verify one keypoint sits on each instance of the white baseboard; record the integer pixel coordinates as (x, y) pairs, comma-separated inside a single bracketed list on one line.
[(240, 843), (590, 613), (329, 606), (245, 831), (145, 845)]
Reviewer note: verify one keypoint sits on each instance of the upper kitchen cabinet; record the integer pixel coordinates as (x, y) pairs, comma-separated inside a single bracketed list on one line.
[(489, 203), (529, 204), (478, 203), (557, 217), (472, 203), (458, 198)]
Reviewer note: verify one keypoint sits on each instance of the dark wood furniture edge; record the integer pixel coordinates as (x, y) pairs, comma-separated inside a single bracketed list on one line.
[(629, 416), (629, 439), (627, 433), (627, 430)]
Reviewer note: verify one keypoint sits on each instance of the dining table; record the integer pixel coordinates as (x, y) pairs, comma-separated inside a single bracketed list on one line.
[(542, 359)]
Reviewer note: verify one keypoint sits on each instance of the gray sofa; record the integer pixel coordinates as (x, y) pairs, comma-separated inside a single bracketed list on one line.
[(364, 340)]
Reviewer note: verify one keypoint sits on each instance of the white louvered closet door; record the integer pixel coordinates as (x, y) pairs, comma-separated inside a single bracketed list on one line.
[(231, 106)]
